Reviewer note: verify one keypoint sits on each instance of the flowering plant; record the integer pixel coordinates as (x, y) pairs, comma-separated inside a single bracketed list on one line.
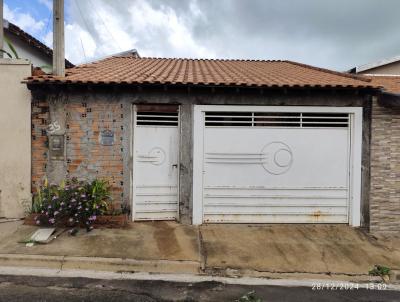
[(78, 202)]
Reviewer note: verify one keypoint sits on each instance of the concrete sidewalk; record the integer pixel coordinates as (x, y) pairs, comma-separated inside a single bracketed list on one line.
[(272, 251)]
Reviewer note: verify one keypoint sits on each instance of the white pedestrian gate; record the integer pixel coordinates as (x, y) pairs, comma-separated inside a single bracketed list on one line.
[(277, 164), (155, 168)]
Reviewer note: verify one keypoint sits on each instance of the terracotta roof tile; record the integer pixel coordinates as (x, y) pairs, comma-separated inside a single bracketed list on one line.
[(132, 70), (390, 83)]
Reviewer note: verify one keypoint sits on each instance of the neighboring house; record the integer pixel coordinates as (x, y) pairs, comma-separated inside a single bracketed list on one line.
[(28, 47), (389, 66), (385, 146), (384, 72), (218, 141), (15, 118)]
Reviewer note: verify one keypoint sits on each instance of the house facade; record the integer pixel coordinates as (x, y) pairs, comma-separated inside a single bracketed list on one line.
[(213, 141), (385, 146)]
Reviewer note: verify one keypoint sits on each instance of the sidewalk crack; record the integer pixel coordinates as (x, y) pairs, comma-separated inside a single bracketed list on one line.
[(62, 263)]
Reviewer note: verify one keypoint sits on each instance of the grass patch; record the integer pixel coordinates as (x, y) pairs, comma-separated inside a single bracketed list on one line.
[(379, 270), (249, 297)]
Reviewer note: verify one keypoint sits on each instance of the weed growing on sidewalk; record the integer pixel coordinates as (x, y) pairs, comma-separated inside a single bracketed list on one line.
[(249, 297), (379, 270)]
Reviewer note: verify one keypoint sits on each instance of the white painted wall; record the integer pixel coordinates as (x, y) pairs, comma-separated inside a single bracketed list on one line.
[(25, 51), (15, 138)]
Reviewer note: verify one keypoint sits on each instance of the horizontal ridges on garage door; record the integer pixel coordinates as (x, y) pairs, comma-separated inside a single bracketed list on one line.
[(269, 205), (277, 119), (154, 202)]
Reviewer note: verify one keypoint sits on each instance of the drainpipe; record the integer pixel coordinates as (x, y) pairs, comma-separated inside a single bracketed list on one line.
[(58, 38)]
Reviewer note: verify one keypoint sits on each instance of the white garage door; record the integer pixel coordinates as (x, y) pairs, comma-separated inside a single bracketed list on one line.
[(268, 166)]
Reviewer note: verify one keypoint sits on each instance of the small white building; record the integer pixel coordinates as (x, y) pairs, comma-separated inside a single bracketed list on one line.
[(28, 47)]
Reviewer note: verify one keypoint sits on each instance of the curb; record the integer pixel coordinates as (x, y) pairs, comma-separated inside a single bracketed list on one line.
[(181, 278), (126, 267), (394, 276), (100, 264)]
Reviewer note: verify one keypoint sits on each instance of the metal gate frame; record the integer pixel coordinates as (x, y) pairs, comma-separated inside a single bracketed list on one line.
[(132, 174), (355, 155)]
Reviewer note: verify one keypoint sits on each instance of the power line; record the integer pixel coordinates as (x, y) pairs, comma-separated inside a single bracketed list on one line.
[(83, 19), (102, 21), (48, 22), (87, 28), (83, 49)]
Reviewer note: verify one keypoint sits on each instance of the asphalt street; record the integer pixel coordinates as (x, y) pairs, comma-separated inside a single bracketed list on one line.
[(32, 289)]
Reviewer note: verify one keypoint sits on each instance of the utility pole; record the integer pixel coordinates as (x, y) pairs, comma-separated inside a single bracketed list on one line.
[(1, 29), (58, 38)]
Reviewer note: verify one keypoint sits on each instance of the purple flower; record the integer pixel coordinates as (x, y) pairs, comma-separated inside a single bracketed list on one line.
[(83, 195), (73, 200), (92, 218), (49, 207), (37, 221), (56, 213), (52, 220), (54, 198), (80, 207), (69, 206), (76, 214), (42, 211), (87, 209), (47, 213), (62, 203)]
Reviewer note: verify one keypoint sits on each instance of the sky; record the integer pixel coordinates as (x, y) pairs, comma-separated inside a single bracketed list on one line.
[(335, 34)]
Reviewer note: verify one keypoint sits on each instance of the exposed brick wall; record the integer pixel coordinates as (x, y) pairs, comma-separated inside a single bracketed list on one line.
[(40, 118), (86, 157), (385, 170)]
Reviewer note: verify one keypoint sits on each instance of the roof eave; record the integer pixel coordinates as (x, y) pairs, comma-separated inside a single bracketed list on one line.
[(38, 82), (389, 99)]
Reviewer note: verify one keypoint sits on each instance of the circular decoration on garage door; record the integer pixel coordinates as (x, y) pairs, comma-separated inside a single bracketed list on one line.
[(157, 156), (278, 158)]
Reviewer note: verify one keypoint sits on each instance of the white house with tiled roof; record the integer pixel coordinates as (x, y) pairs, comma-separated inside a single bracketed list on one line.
[(213, 141)]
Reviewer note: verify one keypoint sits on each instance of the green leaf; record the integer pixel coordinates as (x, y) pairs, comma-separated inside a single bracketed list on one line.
[(11, 47), (6, 52)]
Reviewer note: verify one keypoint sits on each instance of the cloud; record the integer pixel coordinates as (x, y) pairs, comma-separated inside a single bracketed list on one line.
[(23, 20), (47, 3), (335, 34), (153, 30), (81, 46)]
